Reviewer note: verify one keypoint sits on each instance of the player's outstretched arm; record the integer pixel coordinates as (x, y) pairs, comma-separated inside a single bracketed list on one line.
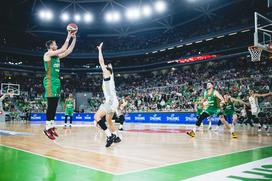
[(70, 49), (263, 95), (240, 101), (101, 58), (62, 49)]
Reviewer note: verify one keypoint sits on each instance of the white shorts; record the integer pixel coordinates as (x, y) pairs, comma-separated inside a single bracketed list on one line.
[(119, 113), (255, 111), (110, 106)]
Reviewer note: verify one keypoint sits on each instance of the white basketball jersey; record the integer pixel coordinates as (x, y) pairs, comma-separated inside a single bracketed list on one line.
[(253, 102), (109, 88)]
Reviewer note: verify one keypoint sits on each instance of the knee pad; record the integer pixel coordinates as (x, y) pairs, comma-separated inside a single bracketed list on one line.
[(102, 123), (122, 119)]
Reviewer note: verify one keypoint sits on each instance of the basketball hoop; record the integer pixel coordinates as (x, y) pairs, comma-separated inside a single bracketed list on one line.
[(255, 53)]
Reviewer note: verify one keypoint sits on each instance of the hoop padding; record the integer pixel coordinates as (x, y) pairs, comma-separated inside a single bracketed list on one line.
[(255, 53)]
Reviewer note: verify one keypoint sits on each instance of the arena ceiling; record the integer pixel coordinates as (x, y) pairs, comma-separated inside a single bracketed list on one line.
[(22, 15)]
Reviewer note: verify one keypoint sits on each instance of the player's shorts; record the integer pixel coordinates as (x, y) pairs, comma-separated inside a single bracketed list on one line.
[(110, 106), (229, 117), (119, 113), (255, 111), (213, 111), (69, 112), (52, 87)]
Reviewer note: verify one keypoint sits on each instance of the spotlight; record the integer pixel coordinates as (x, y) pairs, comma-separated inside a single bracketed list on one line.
[(65, 17), (42, 14), (88, 18), (77, 17), (46, 15), (49, 15), (160, 6), (146, 10), (112, 16), (133, 13)]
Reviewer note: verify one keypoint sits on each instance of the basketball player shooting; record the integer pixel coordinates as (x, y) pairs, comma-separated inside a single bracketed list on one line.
[(51, 81), (108, 108)]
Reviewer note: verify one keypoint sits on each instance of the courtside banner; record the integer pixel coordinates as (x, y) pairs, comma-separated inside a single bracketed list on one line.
[(156, 117)]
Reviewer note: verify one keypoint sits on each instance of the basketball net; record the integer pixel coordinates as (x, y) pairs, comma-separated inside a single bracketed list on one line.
[(255, 53)]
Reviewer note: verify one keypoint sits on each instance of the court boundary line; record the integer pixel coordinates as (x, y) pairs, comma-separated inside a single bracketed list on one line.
[(177, 163), (61, 160)]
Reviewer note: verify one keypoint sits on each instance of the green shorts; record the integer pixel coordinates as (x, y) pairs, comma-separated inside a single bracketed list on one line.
[(51, 87), (69, 112), (213, 111)]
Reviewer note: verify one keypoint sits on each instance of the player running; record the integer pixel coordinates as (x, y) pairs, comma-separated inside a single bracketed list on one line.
[(229, 110), (107, 109), (254, 106), (69, 107), (51, 81), (211, 95)]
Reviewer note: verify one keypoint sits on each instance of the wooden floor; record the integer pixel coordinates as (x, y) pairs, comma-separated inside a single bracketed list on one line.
[(142, 146)]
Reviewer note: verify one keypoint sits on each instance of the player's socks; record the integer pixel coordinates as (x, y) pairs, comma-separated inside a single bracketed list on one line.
[(121, 127), (233, 134), (194, 129), (47, 125), (108, 133), (52, 123), (232, 128), (210, 125)]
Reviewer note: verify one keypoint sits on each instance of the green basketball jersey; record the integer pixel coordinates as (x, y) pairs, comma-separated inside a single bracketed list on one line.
[(51, 81), (229, 108), (211, 100), (52, 68), (69, 103)]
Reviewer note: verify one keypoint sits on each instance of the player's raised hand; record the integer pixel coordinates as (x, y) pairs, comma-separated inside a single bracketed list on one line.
[(69, 35), (73, 35), (100, 46)]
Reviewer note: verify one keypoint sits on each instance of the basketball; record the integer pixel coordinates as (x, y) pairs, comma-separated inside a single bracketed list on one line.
[(72, 27)]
